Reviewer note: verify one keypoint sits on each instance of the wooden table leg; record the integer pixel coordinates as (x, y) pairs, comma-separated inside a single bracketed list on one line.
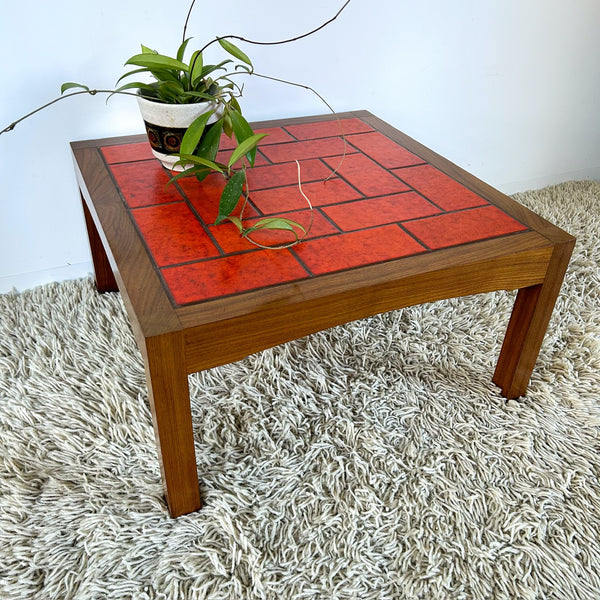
[(172, 417), (527, 326), (105, 279)]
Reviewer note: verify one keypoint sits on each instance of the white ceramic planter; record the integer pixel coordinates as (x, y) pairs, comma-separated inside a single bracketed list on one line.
[(167, 123)]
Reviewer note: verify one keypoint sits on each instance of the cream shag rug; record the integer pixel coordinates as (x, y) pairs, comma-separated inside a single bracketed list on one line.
[(371, 461)]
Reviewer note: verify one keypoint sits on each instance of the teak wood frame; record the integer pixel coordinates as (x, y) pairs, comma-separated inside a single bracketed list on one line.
[(178, 341)]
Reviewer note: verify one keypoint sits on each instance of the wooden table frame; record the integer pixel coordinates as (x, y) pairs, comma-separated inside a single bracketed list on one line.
[(178, 341)]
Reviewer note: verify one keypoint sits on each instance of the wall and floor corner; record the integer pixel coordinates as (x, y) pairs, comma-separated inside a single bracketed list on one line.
[(508, 91)]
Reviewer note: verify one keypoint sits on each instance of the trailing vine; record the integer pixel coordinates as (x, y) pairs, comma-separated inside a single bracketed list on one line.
[(179, 82)]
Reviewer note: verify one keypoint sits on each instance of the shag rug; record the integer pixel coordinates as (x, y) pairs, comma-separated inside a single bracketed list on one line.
[(370, 461)]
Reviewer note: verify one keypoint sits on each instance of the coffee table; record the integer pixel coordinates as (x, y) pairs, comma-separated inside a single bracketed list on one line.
[(396, 225)]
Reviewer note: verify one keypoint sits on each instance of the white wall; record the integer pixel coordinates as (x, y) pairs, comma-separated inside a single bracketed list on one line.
[(507, 89)]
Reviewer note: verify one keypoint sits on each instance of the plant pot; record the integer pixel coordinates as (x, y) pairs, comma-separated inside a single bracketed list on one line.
[(167, 123)]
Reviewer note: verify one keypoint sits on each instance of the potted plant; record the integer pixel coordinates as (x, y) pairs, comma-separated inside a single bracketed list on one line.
[(181, 93), (187, 108)]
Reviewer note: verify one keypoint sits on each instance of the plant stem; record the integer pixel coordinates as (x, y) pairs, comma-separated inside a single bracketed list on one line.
[(310, 89), (298, 239), (64, 97), (286, 41), (187, 20)]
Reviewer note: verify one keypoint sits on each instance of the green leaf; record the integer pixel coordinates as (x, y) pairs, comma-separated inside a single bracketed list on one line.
[(199, 95), (165, 75), (227, 124), (209, 144), (135, 85), (170, 91), (241, 127), (196, 67), (210, 68), (157, 62), (231, 195), (187, 173), (194, 132), (199, 172), (245, 147), (277, 223), (186, 159), (236, 105), (181, 50), (234, 51), (242, 131), (135, 72), (202, 174), (70, 85), (237, 222), (146, 50)]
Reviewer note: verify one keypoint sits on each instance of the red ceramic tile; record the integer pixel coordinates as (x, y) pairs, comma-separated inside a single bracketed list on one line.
[(231, 275), (356, 249), (380, 211), (367, 176), (230, 240), (260, 178), (367, 199), (385, 151), (275, 135), (462, 227), (289, 197), (224, 155), (227, 143), (173, 234), (320, 148), (144, 183), (205, 196), (309, 131), (439, 188), (127, 153)]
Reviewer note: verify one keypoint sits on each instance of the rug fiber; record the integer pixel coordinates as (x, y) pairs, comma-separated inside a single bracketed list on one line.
[(370, 461)]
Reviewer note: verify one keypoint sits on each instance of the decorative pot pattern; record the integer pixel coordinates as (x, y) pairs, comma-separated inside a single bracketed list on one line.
[(166, 125)]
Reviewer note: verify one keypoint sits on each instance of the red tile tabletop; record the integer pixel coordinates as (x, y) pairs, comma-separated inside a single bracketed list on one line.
[(372, 200), (390, 224)]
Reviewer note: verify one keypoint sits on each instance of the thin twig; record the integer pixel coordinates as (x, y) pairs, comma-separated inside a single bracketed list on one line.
[(307, 87), (298, 239), (64, 97), (246, 192), (187, 20), (286, 41), (94, 92)]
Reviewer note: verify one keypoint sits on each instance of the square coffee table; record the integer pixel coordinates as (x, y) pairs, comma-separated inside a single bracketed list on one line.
[(395, 225)]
